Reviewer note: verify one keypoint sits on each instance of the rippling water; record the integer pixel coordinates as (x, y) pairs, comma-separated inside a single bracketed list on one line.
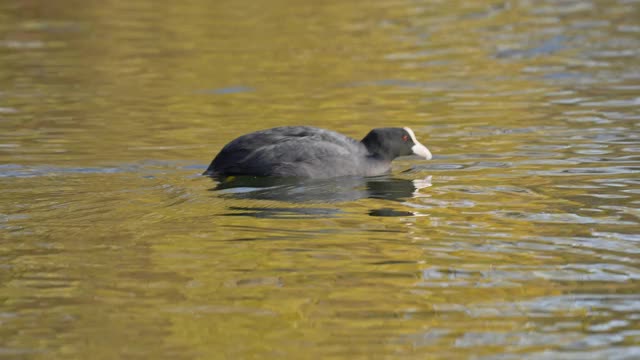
[(519, 240)]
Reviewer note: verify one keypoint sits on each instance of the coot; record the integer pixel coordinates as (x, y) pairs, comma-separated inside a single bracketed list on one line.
[(309, 152)]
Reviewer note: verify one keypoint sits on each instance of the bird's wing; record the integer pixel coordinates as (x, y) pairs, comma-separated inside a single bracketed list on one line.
[(302, 157)]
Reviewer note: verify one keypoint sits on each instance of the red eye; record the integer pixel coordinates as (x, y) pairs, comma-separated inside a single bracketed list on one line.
[(405, 138)]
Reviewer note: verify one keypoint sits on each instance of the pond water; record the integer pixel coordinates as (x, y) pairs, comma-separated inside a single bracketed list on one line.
[(519, 240)]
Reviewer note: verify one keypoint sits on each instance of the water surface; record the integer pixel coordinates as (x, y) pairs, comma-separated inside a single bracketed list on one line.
[(519, 240)]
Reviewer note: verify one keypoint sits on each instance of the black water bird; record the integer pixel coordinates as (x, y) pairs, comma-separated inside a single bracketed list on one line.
[(309, 152)]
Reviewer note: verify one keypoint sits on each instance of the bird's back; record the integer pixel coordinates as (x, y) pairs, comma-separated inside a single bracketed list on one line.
[(297, 151)]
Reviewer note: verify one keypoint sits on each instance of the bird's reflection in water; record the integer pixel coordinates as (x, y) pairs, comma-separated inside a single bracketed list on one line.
[(325, 191)]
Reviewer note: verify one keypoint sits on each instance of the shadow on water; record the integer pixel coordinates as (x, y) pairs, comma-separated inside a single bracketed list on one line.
[(309, 191)]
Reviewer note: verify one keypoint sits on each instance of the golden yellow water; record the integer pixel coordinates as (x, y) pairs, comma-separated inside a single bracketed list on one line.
[(519, 240)]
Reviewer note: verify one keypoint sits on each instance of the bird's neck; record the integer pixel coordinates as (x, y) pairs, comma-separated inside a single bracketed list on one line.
[(375, 150)]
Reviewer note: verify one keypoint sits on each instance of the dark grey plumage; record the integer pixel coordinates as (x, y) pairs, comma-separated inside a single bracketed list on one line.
[(303, 151)]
